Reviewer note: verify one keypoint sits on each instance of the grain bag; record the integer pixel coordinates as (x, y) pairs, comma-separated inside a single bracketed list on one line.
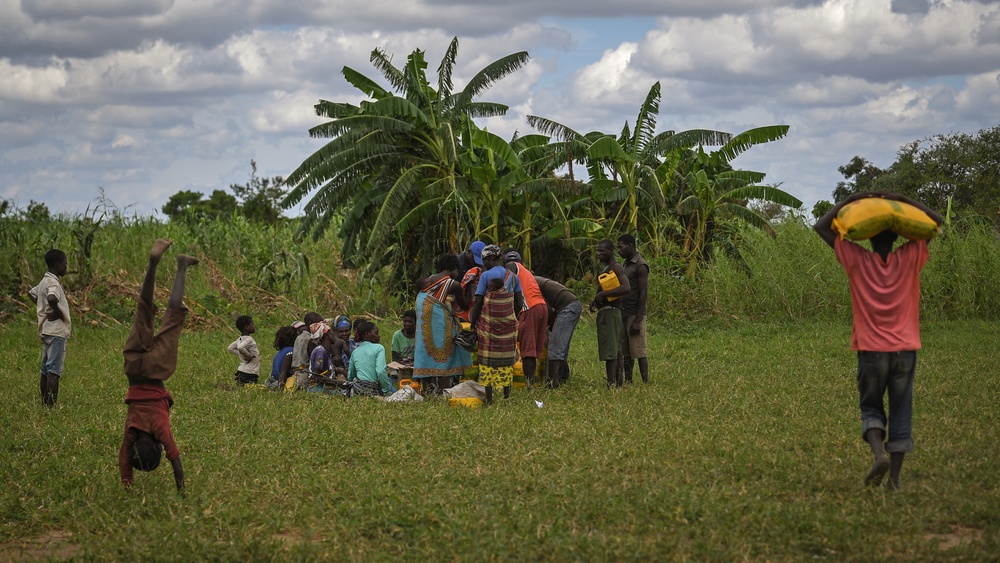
[(865, 218)]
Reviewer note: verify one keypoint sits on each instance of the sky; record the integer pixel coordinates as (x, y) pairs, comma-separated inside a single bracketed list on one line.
[(140, 99)]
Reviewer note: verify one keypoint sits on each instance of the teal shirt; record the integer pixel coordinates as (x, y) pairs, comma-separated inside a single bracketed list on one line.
[(368, 364)]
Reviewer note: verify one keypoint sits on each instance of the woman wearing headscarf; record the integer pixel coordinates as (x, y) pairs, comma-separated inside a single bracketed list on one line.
[(436, 358), (498, 298)]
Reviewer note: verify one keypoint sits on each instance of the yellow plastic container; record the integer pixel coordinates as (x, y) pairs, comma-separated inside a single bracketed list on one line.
[(470, 402), (609, 281), (518, 381), (865, 218)]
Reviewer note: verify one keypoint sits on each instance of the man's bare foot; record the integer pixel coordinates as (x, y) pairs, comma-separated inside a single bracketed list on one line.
[(183, 260), (879, 467), (159, 247)]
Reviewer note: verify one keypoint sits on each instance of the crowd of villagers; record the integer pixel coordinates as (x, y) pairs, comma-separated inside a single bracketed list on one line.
[(481, 315)]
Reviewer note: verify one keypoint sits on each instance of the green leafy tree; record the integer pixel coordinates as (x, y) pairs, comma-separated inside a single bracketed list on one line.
[(37, 212), (187, 205), (392, 173), (714, 192), (260, 198), (628, 171), (959, 172)]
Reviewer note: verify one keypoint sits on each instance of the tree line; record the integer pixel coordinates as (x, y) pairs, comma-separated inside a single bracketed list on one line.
[(408, 173)]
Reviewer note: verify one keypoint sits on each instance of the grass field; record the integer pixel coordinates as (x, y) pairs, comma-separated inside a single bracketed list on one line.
[(745, 446)]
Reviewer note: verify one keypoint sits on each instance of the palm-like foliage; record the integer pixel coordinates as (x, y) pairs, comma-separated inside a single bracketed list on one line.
[(627, 171), (393, 170), (713, 191)]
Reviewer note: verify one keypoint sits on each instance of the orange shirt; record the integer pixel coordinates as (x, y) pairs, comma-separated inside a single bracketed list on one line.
[(529, 287), (885, 296)]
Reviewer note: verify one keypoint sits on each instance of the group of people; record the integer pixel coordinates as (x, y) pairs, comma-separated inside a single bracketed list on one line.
[(325, 355), (511, 312)]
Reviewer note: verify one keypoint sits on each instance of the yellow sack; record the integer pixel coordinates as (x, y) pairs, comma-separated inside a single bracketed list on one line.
[(865, 218)]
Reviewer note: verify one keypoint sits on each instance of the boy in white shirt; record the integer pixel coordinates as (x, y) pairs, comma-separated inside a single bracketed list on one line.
[(54, 327), (246, 348)]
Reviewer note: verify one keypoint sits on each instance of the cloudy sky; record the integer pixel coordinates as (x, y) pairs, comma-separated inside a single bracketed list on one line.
[(144, 98)]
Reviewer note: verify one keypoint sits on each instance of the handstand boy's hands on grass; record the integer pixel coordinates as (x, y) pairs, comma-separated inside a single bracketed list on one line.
[(150, 359)]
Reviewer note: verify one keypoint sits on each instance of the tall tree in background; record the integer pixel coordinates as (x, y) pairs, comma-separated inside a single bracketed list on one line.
[(260, 198), (713, 191), (960, 171), (392, 170)]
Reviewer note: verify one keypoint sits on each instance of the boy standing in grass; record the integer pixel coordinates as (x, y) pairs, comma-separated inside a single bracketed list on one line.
[(54, 327), (633, 308), (246, 348), (150, 359), (609, 318), (885, 300)]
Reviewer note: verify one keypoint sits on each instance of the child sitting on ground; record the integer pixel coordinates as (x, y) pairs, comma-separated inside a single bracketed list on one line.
[(404, 340), (246, 348), (284, 343), (342, 324), (150, 359), (326, 370), (367, 374), (301, 350)]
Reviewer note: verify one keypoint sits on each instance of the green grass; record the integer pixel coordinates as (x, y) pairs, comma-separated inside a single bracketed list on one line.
[(745, 446)]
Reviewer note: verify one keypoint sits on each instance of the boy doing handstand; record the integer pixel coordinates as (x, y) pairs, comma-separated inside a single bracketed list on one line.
[(150, 359)]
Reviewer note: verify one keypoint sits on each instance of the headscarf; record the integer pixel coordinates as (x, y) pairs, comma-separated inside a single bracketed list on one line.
[(491, 252), (317, 330)]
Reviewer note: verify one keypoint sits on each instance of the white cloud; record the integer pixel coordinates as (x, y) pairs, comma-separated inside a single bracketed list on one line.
[(23, 83), (154, 96)]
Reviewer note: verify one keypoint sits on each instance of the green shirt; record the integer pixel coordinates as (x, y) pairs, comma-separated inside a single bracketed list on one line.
[(404, 346), (368, 364)]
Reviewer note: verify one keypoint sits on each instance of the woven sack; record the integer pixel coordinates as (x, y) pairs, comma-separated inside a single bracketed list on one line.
[(865, 218)]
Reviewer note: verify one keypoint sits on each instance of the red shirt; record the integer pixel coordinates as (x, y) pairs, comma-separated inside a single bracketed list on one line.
[(885, 296), (149, 411), (530, 291)]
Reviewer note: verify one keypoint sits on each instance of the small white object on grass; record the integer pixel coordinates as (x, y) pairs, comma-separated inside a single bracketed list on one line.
[(540, 404)]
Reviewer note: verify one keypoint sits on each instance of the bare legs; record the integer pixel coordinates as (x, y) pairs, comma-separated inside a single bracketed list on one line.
[(50, 389), (895, 466), (643, 369), (176, 299), (529, 366), (615, 371), (149, 282), (881, 463)]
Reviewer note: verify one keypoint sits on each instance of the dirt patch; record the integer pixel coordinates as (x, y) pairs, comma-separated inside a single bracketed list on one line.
[(958, 536), (55, 545)]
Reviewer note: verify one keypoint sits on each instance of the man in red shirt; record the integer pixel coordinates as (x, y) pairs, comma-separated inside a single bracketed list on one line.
[(150, 359), (885, 300), (533, 322)]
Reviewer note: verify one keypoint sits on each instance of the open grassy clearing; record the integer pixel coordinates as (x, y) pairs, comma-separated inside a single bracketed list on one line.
[(746, 446)]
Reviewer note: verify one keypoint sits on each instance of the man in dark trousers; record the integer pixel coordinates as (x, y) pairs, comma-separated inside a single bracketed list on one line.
[(564, 313), (885, 300)]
